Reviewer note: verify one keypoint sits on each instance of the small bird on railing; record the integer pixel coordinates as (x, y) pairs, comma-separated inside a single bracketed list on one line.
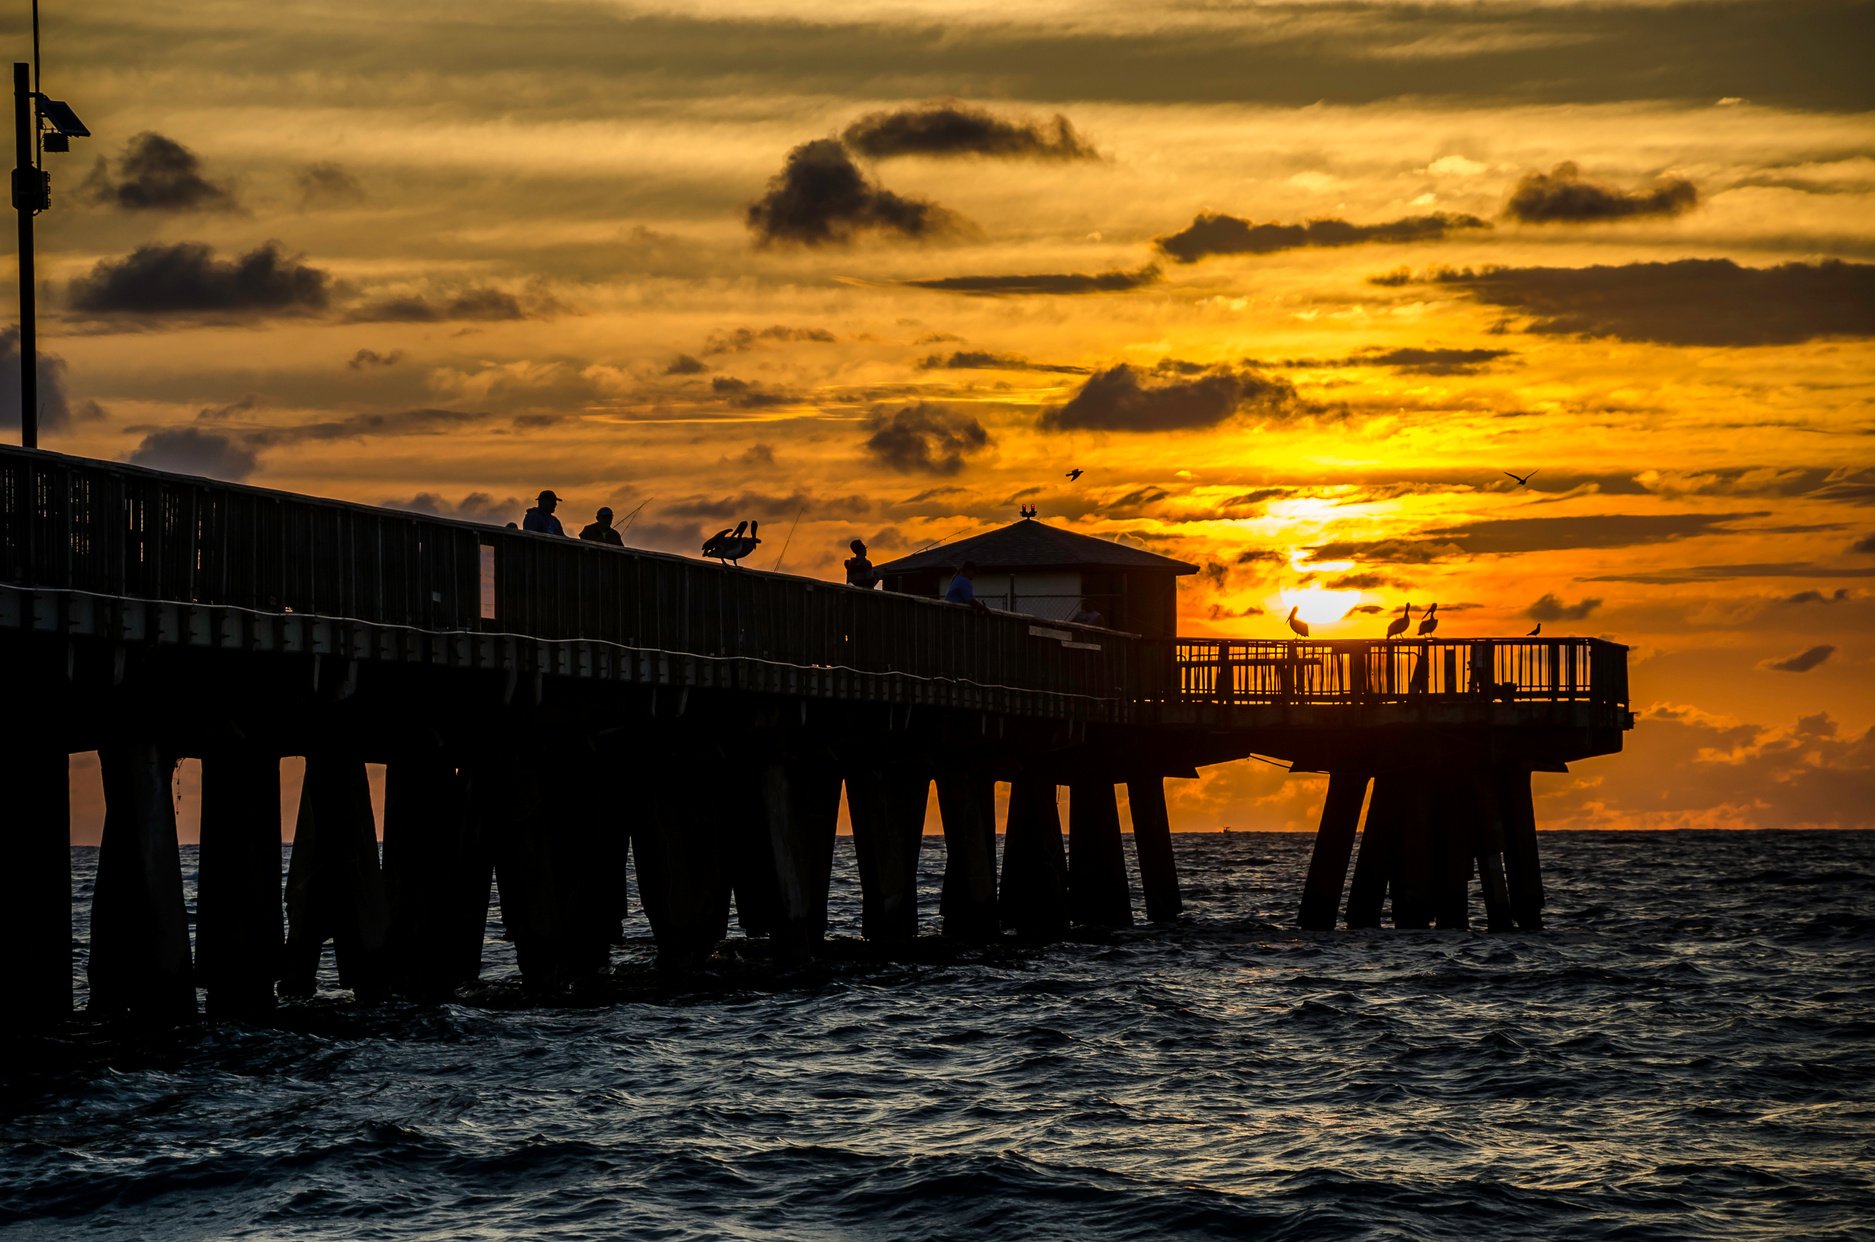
[(1429, 622), (1297, 624), (1536, 631), (1523, 480), (1397, 626)]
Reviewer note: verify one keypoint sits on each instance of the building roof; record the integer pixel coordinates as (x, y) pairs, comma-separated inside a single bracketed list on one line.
[(1035, 545)]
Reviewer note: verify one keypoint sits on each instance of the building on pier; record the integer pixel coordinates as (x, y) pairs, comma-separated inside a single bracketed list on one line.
[(513, 686), (1044, 571)]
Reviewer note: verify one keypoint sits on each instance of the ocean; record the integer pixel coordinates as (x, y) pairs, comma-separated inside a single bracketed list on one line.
[(1687, 1052)]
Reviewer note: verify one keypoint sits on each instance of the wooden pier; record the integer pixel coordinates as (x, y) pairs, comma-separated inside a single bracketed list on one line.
[(542, 706)]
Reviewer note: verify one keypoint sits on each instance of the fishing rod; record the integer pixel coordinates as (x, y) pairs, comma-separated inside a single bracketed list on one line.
[(776, 567)]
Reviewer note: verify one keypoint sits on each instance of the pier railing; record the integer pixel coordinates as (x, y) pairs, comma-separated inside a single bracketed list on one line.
[(74, 525), (1364, 672), (121, 532)]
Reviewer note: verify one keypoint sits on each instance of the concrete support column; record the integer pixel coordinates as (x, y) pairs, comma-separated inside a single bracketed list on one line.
[(750, 792), (886, 803), (1523, 867), (803, 815), (37, 837), (436, 877), (1487, 844), (1097, 891), (1334, 845), (1416, 860), (238, 923), (139, 925), (1152, 843), (683, 884), (1367, 894), (550, 814), (334, 888), (1035, 863), (1454, 826), (967, 803)]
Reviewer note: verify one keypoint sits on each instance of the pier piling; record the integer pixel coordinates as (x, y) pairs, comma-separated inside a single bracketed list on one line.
[(967, 805), (334, 888), (436, 876), (1097, 889), (683, 884), (1034, 899), (1373, 867), (1334, 845), (1522, 868), (238, 920), (886, 804), (37, 833), (140, 964), (802, 806), (1152, 843)]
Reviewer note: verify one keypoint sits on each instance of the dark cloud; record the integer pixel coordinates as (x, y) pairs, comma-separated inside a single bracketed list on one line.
[(56, 407), (372, 358), (1213, 233), (959, 129), (195, 450), (480, 507), (1803, 661), (822, 198), (1723, 573), (1361, 582), (1044, 283), (1551, 608), (1418, 361), (925, 438), (741, 340), (1841, 595), (327, 185), (743, 395), (1170, 398), (977, 360), (1504, 536), (1866, 544), (684, 364), (480, 303), (1257, 498), (1140, 498), (1687, 302), (424, 420), (1262, 556), (765, 506), (187, 279), (157, 174), (1560, 196)]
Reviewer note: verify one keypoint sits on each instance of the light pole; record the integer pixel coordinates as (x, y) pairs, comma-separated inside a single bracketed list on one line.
[(32, 194)]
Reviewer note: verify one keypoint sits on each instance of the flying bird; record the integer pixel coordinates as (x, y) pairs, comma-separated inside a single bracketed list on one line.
[(1297, 624), (1397, 626), (1523, 480), (1429, 622), (1536, 631), (1075, 473)]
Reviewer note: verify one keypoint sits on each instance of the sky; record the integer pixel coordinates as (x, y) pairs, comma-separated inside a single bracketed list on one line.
[(1294, 284)]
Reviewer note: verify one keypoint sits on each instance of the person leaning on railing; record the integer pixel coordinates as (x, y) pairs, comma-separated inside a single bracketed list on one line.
[(962, 589), (540, 518)]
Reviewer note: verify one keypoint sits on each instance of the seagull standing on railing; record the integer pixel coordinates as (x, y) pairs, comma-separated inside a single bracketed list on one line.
[(1297, 624), (1429, 622), (1397, 626), (1536, 631)]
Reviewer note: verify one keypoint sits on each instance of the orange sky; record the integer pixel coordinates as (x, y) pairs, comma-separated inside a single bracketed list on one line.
[(753, 259)]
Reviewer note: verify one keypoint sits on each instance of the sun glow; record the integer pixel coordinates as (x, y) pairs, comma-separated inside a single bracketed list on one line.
[(1318, 606)]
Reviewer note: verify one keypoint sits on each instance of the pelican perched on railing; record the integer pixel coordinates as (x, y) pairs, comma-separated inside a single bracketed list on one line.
[(1429, 622), (1297, 624), (1397, 626), (732, 546)]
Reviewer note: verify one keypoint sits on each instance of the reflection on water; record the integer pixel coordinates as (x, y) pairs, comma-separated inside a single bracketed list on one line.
[(1687, 1053)]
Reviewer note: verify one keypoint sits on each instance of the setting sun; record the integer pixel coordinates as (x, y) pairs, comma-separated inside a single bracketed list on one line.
[(1319, 606)]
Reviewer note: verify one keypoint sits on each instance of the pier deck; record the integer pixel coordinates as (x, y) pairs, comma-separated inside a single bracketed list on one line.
[(516, 684)]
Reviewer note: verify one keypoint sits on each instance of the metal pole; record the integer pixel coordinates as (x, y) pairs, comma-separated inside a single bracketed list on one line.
[(26, 199)]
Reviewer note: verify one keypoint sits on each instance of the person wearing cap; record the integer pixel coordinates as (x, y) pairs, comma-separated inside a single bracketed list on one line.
[(540, 518), (599, 530)]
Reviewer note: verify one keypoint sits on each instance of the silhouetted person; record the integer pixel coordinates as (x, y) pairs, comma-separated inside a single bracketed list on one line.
[(540, 518), (599, 530), (962, 589), (859, 570), (1086, 614)]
